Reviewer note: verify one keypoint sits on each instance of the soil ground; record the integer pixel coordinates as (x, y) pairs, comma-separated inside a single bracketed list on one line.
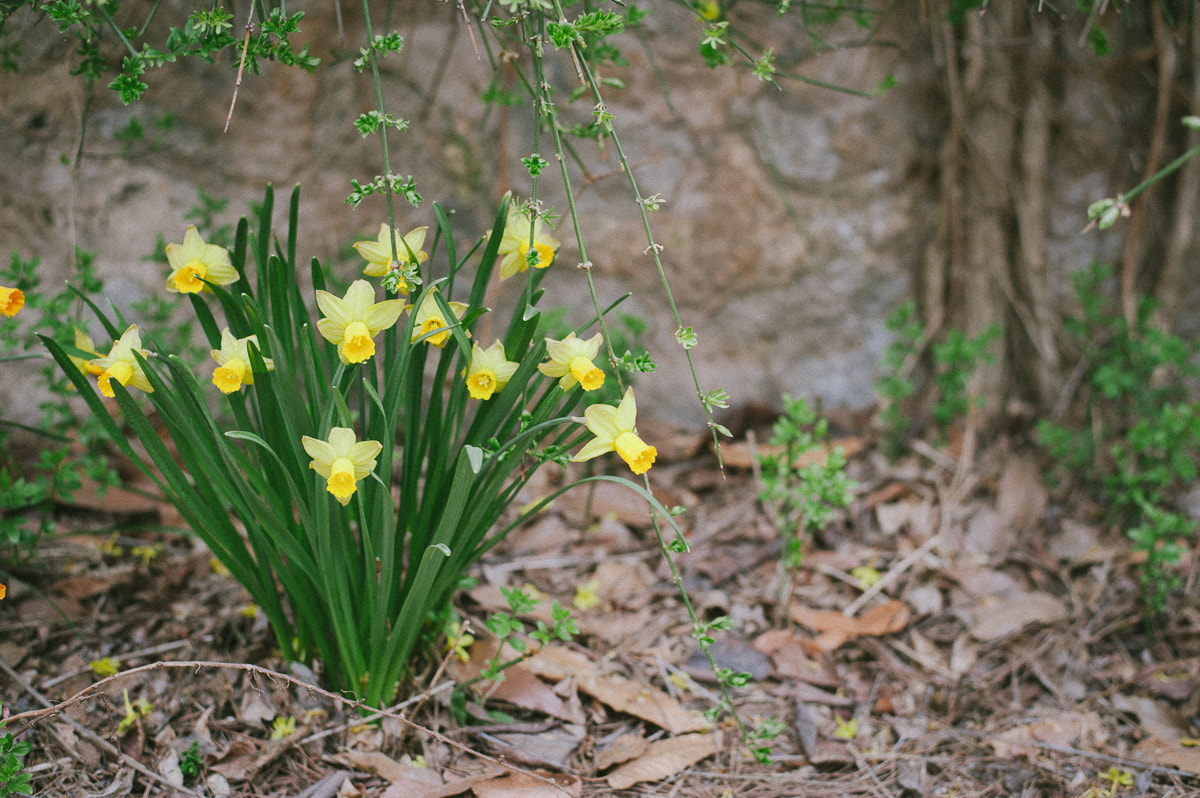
[(1002, 653)]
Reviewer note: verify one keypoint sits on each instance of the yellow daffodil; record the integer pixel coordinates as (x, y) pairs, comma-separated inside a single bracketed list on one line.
[(120, 364), (11, 300), (342, 460), (429, 318), (378, 253), (515, 245), (489, 371), (193, 260), (3, 590), (233, 362), (571, 359), (84, 343), (614, 431), (353, 322)]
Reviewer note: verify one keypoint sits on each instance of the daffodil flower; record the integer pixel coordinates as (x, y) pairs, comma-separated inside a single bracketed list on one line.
[(489, 371), (378, 254), (352, 323), (84, 343), (429, 317), (11, 300), (121, 365), (233, 362), (515, 244), (614, 431), (193, 260), (571, 360), (342, 460)]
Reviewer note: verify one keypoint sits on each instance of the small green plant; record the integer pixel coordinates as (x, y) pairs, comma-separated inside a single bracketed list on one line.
[(1137, 440), (509, 630), (956, 358), (190, 761), (896, 385), (803, 486), (13, 779)]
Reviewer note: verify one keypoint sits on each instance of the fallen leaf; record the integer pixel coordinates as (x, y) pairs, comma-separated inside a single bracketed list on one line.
[(1066, 730), (412, 789), (536, 784), (550, 748), (988, 531), (384, 766), (236, 760), (622, 749), (648, 703), (519, 687), (837, 629), (916, 515), (664, 759), (1156, 718), (999, 618), (1157, 751), (1021, 494)]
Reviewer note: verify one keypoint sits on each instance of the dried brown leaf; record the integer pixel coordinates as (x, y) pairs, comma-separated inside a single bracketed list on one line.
[(837, 629), (622, 749), (999, 618), (663, 759), (623, 695), (539, 784)]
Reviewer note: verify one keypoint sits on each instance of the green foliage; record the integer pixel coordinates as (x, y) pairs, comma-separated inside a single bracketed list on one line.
[(353, 584), (190, 761), (509, 630), (956, 358), (68, 445), (204, 35), (896, 384), (1137, 443), (13, 779), (803, 498)]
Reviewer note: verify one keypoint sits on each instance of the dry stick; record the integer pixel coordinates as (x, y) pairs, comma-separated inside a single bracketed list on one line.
[(83, 731), (35, 715), (241, 66)]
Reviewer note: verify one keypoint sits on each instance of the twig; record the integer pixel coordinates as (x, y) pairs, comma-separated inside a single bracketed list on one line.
[(241, 66)]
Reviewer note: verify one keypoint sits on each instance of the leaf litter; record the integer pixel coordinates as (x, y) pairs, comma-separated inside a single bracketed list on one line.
[(1001, 652)]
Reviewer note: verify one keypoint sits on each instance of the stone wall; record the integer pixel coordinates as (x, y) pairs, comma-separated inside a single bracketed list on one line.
[(791, 222)]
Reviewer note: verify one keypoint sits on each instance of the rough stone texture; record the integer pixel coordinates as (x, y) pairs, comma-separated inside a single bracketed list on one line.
[(790, 228)]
